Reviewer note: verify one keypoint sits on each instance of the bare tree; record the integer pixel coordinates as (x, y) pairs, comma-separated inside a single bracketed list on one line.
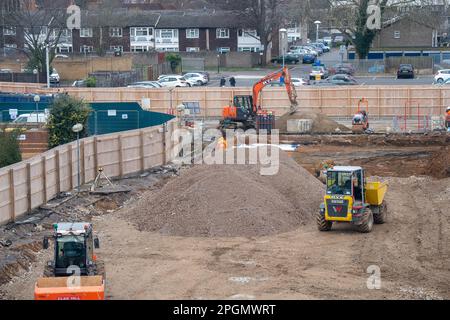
[(42, 28), (265, 16)]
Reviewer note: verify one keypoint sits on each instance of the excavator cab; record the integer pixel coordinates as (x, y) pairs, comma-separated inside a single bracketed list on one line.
[(240, 112), (75, 273), (74, 247)]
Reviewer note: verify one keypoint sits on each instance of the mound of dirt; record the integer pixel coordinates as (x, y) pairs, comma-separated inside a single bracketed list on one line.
[(321, 123), (230, 201), (439, 166)]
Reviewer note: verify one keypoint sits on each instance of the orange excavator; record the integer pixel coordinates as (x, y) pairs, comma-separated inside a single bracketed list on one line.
[(244, 109)]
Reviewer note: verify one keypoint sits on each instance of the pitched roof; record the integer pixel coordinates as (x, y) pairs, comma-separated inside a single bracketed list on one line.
[(200, 19)]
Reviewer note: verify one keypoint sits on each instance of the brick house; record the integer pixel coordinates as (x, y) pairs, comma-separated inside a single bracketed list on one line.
[(199, 31), (403, 32)]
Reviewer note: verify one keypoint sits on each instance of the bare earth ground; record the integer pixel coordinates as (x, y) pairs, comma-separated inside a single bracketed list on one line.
[(412, 250)]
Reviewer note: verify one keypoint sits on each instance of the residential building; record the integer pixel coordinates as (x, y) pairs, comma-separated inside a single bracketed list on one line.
[(404, 32)]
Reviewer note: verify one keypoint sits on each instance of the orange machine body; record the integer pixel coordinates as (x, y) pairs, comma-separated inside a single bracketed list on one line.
[(90, 288)]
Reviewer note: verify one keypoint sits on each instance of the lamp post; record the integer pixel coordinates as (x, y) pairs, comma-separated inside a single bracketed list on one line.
[(37, 99), (218, 63), (317, 23), (283, 32), (77, 129)]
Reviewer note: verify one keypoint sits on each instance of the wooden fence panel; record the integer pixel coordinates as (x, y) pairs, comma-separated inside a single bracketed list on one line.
[(29, 184)]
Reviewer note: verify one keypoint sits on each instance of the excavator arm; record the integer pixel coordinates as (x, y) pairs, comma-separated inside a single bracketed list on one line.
[(290, 88)]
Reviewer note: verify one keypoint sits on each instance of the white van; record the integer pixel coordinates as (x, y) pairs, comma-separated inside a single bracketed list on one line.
[(31, 118)]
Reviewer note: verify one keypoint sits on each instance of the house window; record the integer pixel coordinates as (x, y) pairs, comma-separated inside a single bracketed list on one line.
[(115, 32), (86, 49), (139, 48), (223, 49), (141, 31), (192, 49), (192, 33), (9, 31), (64, 49), (397, 34), (168, 33), (10, 45), (86, 32), (222, 33)]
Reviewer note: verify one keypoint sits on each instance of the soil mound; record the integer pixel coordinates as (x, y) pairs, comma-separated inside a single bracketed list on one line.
[(440, 164), (321, 123), (231, 201)]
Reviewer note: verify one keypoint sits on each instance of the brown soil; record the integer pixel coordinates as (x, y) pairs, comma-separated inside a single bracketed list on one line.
[(321, 122), (229, 201), (439, 166)]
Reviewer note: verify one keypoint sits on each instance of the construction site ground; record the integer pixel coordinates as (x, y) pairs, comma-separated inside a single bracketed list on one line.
[(412, 250)]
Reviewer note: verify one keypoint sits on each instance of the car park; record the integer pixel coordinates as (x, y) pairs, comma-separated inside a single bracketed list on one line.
[(405, 71), (343, 68)]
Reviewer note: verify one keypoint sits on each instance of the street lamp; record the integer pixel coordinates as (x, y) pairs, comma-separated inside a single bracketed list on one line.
[(37, 99), (77, 129), (283, 32), (317, 23), (218, 63)]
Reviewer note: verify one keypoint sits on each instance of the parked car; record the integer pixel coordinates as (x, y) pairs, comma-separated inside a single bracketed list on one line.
[(54, 76), (79, 83), (289, 58), (145, 84), (343, 68), (342, 80), (197, 78), (442, 76), (174, 82), (317, 48), (204, 73), (312, 50), (298, 82), (309, 58), (32, 118), (322, 46), (318, 71), (405, 71)]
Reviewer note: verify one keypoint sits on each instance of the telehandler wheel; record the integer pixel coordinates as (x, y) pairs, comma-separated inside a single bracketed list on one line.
[(48, 272), (381, 216), (322, 223), (367, 224)]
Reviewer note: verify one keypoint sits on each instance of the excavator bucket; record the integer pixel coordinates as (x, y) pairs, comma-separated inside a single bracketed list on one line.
[(89, 288)]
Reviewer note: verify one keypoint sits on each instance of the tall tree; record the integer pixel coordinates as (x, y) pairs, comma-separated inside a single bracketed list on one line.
[(265, 16), (351, 17)]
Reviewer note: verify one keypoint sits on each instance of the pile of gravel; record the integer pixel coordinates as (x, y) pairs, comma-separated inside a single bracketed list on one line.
[(320, 122), (230, 201)]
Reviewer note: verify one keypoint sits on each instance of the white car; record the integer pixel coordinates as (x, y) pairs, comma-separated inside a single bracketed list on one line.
[(442, 76), (146, 84), (197, 78), (54, 77), (174, 82), (31, 118), (298, 82)]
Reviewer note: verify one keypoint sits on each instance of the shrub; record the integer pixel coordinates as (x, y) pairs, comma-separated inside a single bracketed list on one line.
[(9, 146), (91, 82), (65, 112), (175, 61)]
